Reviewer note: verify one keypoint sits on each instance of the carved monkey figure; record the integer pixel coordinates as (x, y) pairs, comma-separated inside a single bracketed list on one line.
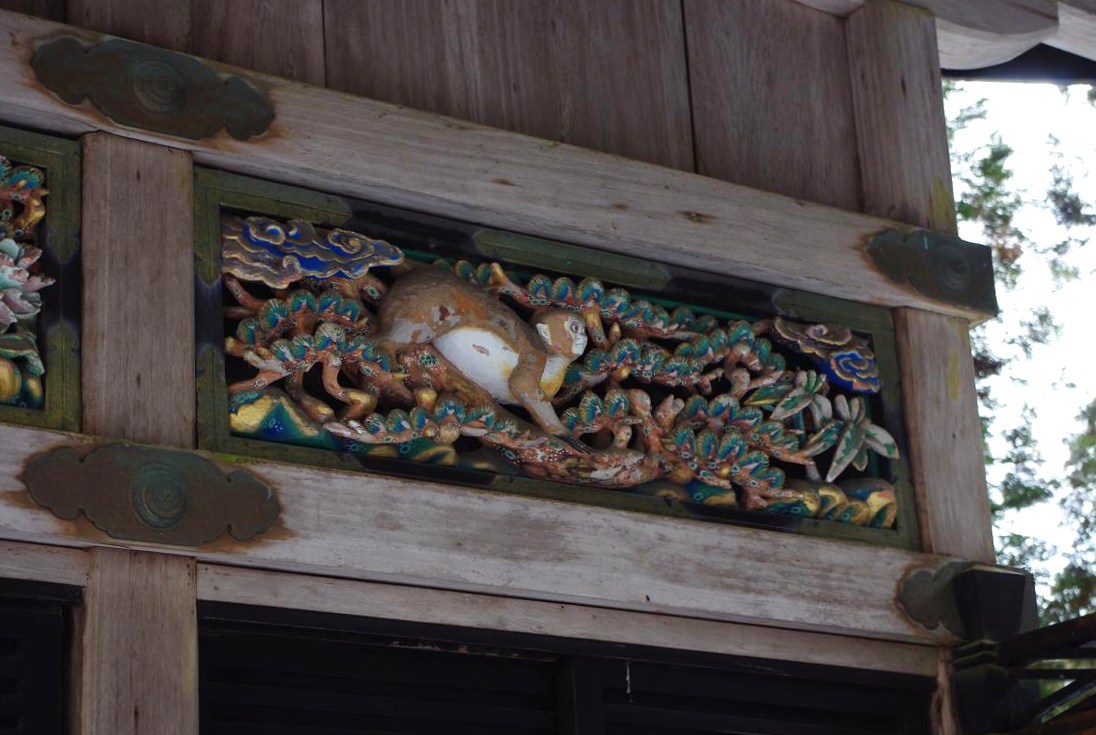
[(517, 363)]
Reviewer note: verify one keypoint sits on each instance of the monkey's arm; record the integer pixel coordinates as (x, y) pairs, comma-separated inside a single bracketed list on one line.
[(525, 386)]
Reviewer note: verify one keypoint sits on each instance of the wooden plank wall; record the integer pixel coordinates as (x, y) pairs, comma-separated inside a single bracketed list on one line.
[(752, 91), (775, 115)]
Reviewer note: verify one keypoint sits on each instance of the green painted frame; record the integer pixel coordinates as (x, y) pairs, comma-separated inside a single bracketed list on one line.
[(216, 190), (59, 238)]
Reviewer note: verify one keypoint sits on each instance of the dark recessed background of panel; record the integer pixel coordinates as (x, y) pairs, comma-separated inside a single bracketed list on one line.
[(278, 672)]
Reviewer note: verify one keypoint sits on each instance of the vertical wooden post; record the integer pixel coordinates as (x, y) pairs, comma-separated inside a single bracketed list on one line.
[(136, 638), (901, 130), (905, 169), (945, 435), (137, 646), (138, 256), (902, 139)]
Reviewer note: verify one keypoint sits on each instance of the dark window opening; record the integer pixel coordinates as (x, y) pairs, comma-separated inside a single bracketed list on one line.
[(34, 638), (279, 672)]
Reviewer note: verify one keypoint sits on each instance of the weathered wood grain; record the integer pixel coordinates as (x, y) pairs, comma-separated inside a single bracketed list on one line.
[(972, 35), (977, 33), (136, 668), (325, 594), (386, 529), (43, 563), (138, 317), (601, 74), (1076, 32), (396, 156), (280, 37), (772, 105), (834, 7), (165, 24), (900, 125), (903, 146), (945, 719), (945, 435), (52, 9)]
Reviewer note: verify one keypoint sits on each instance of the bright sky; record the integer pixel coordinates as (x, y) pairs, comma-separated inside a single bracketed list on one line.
[(1060, 377)]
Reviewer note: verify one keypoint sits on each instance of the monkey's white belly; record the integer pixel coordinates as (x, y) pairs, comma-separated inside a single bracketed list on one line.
[(481, 357)]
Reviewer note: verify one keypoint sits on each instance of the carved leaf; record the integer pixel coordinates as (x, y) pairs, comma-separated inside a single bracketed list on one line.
[(848, 446)]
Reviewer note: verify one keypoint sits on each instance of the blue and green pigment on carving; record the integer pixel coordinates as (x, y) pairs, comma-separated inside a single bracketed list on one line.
[(337, 342), (22, 189)]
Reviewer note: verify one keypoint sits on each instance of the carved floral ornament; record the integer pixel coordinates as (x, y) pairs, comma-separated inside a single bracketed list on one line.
[(340, 342), (22, 207)]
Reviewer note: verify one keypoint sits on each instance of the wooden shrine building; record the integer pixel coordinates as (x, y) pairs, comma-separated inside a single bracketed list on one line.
[(498, 366)]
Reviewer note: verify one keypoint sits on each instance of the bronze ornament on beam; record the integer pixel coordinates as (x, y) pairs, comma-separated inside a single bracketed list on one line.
[(940, 266), (152, 89), (152, 495)]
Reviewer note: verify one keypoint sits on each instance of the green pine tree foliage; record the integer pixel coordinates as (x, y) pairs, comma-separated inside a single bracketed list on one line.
[(987, 196), (1073, 591)]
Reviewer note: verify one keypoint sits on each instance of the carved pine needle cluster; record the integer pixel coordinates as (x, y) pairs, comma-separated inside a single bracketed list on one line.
[(662, 395)]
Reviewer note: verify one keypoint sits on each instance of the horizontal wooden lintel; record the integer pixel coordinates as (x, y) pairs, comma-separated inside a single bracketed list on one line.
[(315, 593), (348, 145), (973, 34), (410, 532), (238, 585)]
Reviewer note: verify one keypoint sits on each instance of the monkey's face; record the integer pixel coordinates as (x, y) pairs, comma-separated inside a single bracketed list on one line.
[(563, 332), (576, 330)]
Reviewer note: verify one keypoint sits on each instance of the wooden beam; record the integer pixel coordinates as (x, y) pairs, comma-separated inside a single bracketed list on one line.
[(900, 126), (136, 665), (415, 604), (43, 563), (138, 319), (972, 34), (834, 7), (429, 163), (1076, 28), (976, 34), (945, 435), (404, 531)]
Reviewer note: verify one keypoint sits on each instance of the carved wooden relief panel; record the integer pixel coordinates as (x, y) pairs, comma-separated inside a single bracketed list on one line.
[(401, 342)]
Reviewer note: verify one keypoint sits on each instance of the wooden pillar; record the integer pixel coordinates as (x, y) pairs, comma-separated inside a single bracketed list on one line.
[(905, 169), (136, 635), (901, 131), (138, 256), (902, 138), (137, 646), (945, 435)]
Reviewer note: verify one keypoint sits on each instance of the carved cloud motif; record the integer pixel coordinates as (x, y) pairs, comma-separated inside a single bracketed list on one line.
[(154, 495)]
